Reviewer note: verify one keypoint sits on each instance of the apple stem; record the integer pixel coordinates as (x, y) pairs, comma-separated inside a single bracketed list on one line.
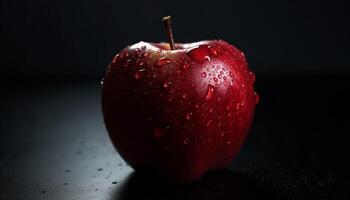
[(167, 25)]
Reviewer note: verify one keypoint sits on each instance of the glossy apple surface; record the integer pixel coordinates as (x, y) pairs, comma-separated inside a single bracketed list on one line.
[(179, 112)]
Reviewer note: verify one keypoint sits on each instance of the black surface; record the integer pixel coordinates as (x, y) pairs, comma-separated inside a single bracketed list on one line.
[(54, 146), (73, 38)]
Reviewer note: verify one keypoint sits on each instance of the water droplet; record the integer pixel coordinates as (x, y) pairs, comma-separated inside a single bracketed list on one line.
[(139, 73), (220, 76), (102, 81), (211, 109), (231, 74), (257, 98), (215, 79), (203, 74), (178, 71), (159, 132), (228, 142), (65, 183), (209, 123), (221, 72), (184, 95), (188, 116), (210, 92), (186, 65), (197, 105), (67, 171), (213, 51), (225, 78), (99, 169), (43, 191), (242, 85), (199, 54), (154, 75), (143, 48), (186, 140), (127, 62), (166, 84), (163, 61)]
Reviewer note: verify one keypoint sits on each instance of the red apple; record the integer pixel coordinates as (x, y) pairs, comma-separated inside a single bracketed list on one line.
[(179, 112)]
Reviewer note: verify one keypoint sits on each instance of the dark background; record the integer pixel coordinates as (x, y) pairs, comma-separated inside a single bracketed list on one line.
[(79, 38), (53, 143)]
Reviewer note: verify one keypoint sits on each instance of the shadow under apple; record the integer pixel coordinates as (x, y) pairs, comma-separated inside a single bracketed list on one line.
[(225, 184)]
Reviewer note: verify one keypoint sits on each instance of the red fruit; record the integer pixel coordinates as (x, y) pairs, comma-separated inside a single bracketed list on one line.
[(179, 112)]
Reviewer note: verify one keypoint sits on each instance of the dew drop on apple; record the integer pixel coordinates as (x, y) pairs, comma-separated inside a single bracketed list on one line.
[(154, 75), (203, 74), (215, 79), (213, 51), (210, 92), (238, 106), (231, 74), (163, 61), (199, 54), (186, 65), (139, 74), (166, 84), (184, 95), (211, 110), (189, 116)]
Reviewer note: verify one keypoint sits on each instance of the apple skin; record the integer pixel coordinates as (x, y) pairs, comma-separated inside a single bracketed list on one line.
[(179, 112)]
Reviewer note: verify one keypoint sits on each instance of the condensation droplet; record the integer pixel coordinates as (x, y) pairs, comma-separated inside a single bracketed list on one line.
[(186, 65), (199, 54), (210, 92), (163, 61), (211, 109), (213, 51), (184, 95), (166, 84), (188, 116), (215, 79), (203, 74), (139, 73)]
